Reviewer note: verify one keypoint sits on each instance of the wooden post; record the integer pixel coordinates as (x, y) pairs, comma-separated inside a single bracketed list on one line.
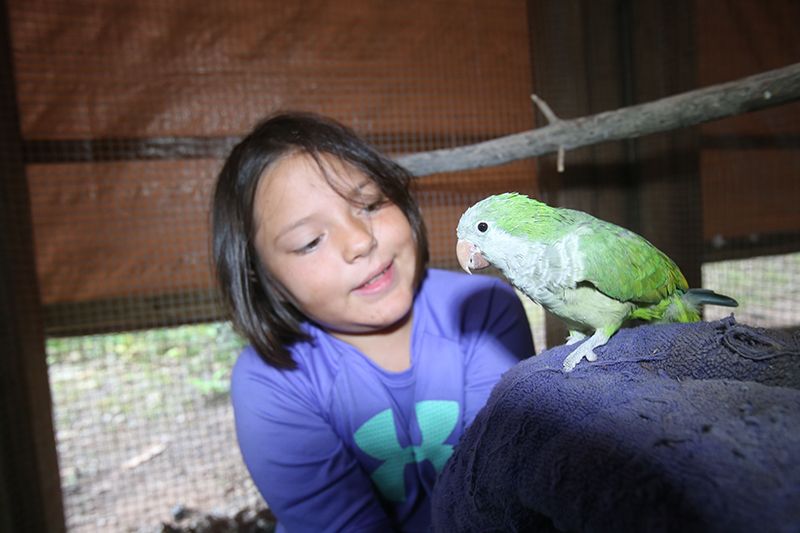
[(30, 489), (590, 56), (668, 164)]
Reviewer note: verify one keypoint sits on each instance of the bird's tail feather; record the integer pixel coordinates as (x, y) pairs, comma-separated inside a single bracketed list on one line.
[(683, 307), (696, 297)]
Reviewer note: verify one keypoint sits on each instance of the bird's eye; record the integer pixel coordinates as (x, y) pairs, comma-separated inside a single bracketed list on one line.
[(482, 227)]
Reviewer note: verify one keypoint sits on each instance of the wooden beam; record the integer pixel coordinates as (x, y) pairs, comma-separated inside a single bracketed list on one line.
[(30, 497), (59, 151), (668, 164), (133, 313)]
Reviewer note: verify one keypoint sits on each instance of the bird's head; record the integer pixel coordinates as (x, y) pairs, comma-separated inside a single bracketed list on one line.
[(488, 229)]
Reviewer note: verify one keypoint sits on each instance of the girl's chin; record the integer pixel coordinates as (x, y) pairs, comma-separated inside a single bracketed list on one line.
[(389, 318)]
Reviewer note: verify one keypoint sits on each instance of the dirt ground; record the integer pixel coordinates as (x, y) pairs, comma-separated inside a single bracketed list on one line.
[(187, 467), (145, 433)]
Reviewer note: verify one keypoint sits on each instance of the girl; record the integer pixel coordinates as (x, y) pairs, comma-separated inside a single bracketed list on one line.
[(364, 366)]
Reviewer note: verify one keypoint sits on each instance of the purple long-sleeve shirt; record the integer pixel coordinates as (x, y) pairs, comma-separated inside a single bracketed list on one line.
[(340, 444)]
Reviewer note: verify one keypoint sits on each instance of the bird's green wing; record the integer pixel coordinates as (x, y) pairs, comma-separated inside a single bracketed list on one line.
[(625, 266)]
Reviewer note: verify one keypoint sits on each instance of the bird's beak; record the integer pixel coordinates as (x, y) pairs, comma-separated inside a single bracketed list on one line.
[(469, 257)]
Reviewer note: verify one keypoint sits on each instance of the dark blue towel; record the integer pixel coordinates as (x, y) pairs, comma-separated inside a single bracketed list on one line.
[(679, 427)]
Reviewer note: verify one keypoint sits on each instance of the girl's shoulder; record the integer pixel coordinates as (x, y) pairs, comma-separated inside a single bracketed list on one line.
[(252, 379)]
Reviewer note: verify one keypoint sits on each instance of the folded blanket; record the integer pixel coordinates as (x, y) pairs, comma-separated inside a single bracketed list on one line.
[(678, 427)]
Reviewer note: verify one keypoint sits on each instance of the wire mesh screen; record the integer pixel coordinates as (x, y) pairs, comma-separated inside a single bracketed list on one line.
[(127, 109)]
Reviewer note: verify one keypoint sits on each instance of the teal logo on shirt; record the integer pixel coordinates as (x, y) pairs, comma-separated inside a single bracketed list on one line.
[(377, 437)]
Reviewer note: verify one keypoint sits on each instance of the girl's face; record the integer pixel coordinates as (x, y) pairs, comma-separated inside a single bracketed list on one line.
[(347, 259)]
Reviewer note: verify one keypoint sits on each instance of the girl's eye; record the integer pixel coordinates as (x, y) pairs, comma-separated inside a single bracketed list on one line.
[(371, 207), (374, 206), (309, 247)]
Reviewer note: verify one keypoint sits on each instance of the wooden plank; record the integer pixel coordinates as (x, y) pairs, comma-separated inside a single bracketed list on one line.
[(133, 313), (668, 164), (754, 245), (30, 497), (56, 151)]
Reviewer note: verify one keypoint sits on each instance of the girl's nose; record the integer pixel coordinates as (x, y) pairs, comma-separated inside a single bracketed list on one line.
[(359, 239)]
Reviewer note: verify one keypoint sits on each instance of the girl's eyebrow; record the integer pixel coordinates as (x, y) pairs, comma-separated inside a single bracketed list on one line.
[(290, 227), (359, 189)]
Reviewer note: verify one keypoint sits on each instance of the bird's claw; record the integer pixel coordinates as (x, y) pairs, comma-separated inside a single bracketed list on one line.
[(586, 349), (576, 356)]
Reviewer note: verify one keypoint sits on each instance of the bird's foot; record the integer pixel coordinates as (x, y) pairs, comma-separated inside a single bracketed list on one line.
[(577, 355), (586, 349), (575, 336)]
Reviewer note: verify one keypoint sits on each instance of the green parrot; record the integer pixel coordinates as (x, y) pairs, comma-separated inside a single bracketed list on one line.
[(592, 274)]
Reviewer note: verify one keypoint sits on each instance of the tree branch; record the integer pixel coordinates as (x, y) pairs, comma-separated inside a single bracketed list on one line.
[(768, 89)]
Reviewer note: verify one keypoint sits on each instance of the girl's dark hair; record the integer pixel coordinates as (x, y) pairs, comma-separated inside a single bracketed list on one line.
[(256, 302)]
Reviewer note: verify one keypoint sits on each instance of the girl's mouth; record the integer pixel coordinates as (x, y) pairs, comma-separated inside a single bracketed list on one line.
[(378, 282)]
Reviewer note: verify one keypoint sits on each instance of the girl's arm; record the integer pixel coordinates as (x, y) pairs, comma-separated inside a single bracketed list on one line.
[(500, 336), (310, 481)]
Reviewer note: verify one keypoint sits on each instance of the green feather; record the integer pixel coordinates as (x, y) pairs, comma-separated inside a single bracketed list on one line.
[(625, 266), (522, 216)]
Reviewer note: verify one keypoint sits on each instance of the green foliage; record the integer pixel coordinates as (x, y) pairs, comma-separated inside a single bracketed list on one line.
[(214, 386), (143, 375), (212, 340)]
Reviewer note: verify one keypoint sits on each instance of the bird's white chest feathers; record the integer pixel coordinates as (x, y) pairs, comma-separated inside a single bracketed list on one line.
[(549, 275), (542, 271)]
